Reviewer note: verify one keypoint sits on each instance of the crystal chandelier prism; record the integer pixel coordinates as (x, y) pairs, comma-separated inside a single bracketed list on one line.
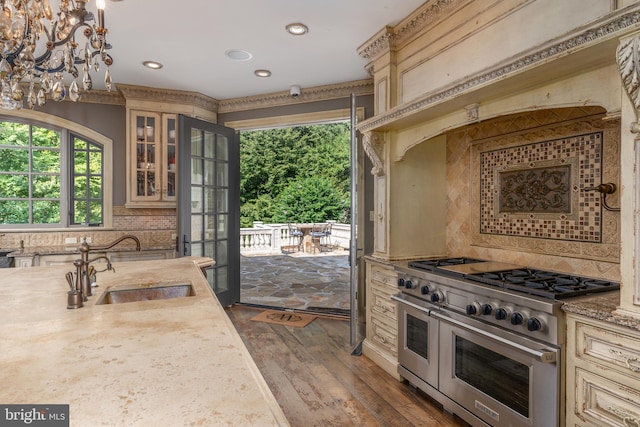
[(38, 50)]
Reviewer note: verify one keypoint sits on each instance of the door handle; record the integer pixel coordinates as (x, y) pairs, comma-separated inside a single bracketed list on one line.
[(185, 242)]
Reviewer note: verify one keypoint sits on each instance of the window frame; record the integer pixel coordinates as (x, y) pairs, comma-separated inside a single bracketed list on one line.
[(67, 130)]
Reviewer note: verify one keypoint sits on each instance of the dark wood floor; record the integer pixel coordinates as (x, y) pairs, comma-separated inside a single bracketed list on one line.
[(317, 381)]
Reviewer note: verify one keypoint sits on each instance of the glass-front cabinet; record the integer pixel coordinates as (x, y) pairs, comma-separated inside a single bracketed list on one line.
[(153, 145)]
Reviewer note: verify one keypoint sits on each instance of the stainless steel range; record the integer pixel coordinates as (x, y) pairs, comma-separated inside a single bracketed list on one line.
[(486, 338)]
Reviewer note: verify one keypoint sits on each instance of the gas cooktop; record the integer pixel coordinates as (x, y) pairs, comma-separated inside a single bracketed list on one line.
[(515, 278)]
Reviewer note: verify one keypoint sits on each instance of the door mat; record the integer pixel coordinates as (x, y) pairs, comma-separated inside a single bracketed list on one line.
[(287, 318)]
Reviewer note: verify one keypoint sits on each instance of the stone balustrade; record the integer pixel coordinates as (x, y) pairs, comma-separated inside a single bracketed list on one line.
[(264, 239)]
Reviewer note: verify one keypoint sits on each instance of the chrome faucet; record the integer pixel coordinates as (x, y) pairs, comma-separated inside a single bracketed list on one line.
[(83, 274)]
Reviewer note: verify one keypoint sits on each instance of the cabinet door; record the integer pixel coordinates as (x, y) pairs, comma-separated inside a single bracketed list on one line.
[(146, 149)]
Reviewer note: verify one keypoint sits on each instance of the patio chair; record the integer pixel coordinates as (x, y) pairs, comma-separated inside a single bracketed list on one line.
[(295, 236), (327, 233), (318, 235)]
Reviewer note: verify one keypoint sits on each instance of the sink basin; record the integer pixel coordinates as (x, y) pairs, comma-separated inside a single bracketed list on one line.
[(146, 292)]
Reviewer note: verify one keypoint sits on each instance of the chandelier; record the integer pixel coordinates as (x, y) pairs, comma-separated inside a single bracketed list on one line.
[(39, 49)]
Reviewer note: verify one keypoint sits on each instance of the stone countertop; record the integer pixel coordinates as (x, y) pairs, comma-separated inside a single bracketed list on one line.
[(162, 362), (601, 307)]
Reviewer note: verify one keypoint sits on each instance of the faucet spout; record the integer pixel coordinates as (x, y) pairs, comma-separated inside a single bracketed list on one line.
[(84, 262)]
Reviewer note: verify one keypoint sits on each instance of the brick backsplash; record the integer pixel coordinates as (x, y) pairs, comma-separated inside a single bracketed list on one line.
[(154, 228)]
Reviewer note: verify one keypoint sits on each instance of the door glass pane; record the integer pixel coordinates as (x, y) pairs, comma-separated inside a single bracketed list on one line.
[(223, 175), (210, 231), (196, 249), (222, 151), (196, 229), (494, 374), (222, 196), (222, 283), (222, 253), (196, 171), (223, 229), (209, 145), (209, 250), (196, 200), (196, 146), (209, 200), (209, 170)]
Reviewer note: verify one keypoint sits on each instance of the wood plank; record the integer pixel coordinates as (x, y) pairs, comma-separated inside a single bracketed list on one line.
[(317, 381)]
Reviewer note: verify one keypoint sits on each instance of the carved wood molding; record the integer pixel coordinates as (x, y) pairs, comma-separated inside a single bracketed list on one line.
[(313, 94), (168, 95), (389, 38), (594, 34), (372, 143), (628, 59)]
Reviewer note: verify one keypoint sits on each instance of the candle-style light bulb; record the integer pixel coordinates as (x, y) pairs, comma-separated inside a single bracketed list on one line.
[(100, 4)]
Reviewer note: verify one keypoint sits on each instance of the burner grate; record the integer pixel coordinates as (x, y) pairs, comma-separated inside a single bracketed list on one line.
[(434, 264), (542, 283)]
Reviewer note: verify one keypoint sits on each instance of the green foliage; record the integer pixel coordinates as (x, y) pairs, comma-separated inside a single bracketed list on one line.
[(30, 176), (278, 165)]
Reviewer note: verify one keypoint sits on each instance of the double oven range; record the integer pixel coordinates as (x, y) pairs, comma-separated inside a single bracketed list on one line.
[(486, 338)]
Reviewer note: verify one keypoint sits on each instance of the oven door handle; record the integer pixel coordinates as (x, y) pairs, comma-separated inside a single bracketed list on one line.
[(410, 304), (544, 356)]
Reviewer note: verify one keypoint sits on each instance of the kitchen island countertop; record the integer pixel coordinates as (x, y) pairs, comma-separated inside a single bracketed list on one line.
[(164, 362)]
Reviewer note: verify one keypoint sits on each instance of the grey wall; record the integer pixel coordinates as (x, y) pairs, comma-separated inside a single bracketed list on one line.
[(109, 120)]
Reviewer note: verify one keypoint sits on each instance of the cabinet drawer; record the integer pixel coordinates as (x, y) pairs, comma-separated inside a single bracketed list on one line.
[(605, 402), (384, 337), (387, 278), (384, 306), (609, 348)]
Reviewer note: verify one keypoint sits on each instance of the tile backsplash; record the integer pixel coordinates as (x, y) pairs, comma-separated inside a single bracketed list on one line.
[(537, 190), (575, 236)]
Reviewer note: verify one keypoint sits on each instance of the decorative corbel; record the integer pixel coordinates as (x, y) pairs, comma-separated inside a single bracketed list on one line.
[(472, 112), (628, 58), (372, 143)]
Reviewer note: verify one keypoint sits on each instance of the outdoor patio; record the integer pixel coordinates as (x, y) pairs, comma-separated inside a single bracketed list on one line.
[(314, 282)]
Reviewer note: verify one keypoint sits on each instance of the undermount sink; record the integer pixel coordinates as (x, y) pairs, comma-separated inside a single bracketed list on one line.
[(146, 292)]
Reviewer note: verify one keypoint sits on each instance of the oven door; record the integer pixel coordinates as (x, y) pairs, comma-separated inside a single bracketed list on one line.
[(502, 378), (417, 339)]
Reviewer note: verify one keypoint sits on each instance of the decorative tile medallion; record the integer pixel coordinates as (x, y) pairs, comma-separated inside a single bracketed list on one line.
[(537, 190)]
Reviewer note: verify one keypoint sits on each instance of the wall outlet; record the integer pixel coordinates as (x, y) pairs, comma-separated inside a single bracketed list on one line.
[(372, 216), (70, 240), (173, 236), (87, 239)]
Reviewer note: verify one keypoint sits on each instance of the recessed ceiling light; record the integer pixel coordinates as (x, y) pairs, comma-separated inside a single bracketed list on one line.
[(297, 29), (238, 55), (152, 64), (262, 73)]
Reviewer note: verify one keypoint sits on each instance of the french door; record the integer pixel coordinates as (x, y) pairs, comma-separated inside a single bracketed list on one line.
[(209, 202)]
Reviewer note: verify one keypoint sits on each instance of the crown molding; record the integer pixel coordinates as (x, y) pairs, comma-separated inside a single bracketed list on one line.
[(389, 38), (168, 95), (610, 27), (312, 94)]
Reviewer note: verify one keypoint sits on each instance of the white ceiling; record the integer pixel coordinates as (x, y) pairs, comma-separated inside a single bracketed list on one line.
[(190, 38)]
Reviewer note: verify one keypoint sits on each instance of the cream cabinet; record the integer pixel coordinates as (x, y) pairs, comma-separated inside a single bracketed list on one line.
[(603, 374), (381, 342), (152, 157)]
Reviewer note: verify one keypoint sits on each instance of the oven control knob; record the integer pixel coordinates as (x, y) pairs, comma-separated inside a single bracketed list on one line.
[(486, 309), (517, 318), (437, 296), (400, 282), (425, 290), (409, 284), (535, 324), (473, 309), (502, 313)]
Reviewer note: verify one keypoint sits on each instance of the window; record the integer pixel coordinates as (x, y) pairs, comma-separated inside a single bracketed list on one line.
[(35, 188)]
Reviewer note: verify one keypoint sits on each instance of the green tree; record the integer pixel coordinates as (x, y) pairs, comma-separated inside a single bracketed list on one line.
[(273, 160), (312, 199)]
